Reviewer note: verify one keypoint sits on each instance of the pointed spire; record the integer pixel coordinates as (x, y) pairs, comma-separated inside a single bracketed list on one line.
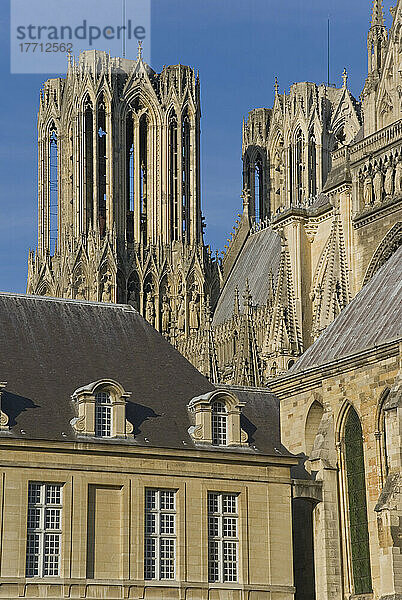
[(377, 19), (276, 86), (345, 77), (139, 52)]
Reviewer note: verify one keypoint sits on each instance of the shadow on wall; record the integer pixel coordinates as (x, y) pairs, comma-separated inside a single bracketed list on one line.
[(137, 414), (13, 405), (248, 427)]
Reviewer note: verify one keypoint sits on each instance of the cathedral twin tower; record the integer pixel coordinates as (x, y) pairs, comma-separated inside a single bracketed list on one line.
[(119, 191)]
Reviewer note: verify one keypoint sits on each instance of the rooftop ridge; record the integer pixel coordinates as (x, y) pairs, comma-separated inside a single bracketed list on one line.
[(114, 305)]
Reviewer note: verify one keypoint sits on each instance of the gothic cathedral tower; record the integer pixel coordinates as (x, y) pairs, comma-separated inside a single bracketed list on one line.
[(119, 192)]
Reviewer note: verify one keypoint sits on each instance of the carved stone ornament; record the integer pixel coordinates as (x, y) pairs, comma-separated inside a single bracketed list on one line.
[(243, 436), (78, 423), (196, 432)]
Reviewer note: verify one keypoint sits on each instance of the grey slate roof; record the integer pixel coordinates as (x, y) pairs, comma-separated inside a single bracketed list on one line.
[(50, 347), (259, 256), (373, 317)]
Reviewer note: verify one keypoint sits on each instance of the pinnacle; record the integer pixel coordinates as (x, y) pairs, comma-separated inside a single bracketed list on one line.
[(377, 19)]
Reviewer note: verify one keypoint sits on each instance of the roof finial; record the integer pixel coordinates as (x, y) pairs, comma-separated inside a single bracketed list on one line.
[(139, 54), (276, 86), (345, 77), (377, 19)]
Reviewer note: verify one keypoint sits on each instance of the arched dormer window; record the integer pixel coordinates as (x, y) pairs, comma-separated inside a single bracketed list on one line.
[(101, 408), (219, 424), (217, 419)]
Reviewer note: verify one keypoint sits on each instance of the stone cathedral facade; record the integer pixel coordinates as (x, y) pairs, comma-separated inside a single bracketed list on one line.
[(120, 209)]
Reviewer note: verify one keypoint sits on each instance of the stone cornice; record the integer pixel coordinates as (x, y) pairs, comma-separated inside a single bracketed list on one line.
[(377, 212), (294, 384), (247, 456)]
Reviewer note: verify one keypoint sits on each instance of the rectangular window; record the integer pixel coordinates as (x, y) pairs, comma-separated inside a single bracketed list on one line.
[(43, 529), (160, 534), (223, 540), (103, 415)]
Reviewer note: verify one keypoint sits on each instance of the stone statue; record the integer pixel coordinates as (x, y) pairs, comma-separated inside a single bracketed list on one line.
[(165, 314), (80, 293), (133, 299), (378, 186), (194, 321), (389, 180), (181, 314), (150, 309), (107, 288), (368, 190), (398, 178)]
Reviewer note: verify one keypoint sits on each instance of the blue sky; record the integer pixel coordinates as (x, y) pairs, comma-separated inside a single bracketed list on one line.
[(238, 46)]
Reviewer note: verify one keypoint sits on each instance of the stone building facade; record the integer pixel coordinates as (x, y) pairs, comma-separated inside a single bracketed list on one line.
[(341, 411), (120, 214), (125, 473)]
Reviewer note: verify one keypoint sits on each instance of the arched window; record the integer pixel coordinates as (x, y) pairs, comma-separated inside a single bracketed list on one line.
[(102, 165), (144, 175), (130, 162), (312, 424), (299, 167), (173, 177), (312, 168), (186, 176), (53, 189), (88, 162), (357, 504), (103, 414), (258, 190), (219, 424)]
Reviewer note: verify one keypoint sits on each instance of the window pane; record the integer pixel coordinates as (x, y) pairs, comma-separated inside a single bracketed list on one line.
[(213, 561), (150, 499), (167, 559), (150, 558), (167, 500), (229, 527), (150, 523), (103, 421), (213, 502), (53, 494), (33, 546), (213, 526), (33, 518), (34, 493), (229, 561), (167, 523), (229, 503), (52, 518), (52, 552)]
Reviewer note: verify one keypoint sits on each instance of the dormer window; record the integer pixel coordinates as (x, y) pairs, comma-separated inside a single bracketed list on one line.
[(103, 414), (219, 424), (101, 408), (217, 419)]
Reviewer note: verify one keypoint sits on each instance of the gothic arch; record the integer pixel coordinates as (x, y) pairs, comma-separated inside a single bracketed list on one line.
[(385, 250), (353, 494), (313, 420), (382, 437)]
